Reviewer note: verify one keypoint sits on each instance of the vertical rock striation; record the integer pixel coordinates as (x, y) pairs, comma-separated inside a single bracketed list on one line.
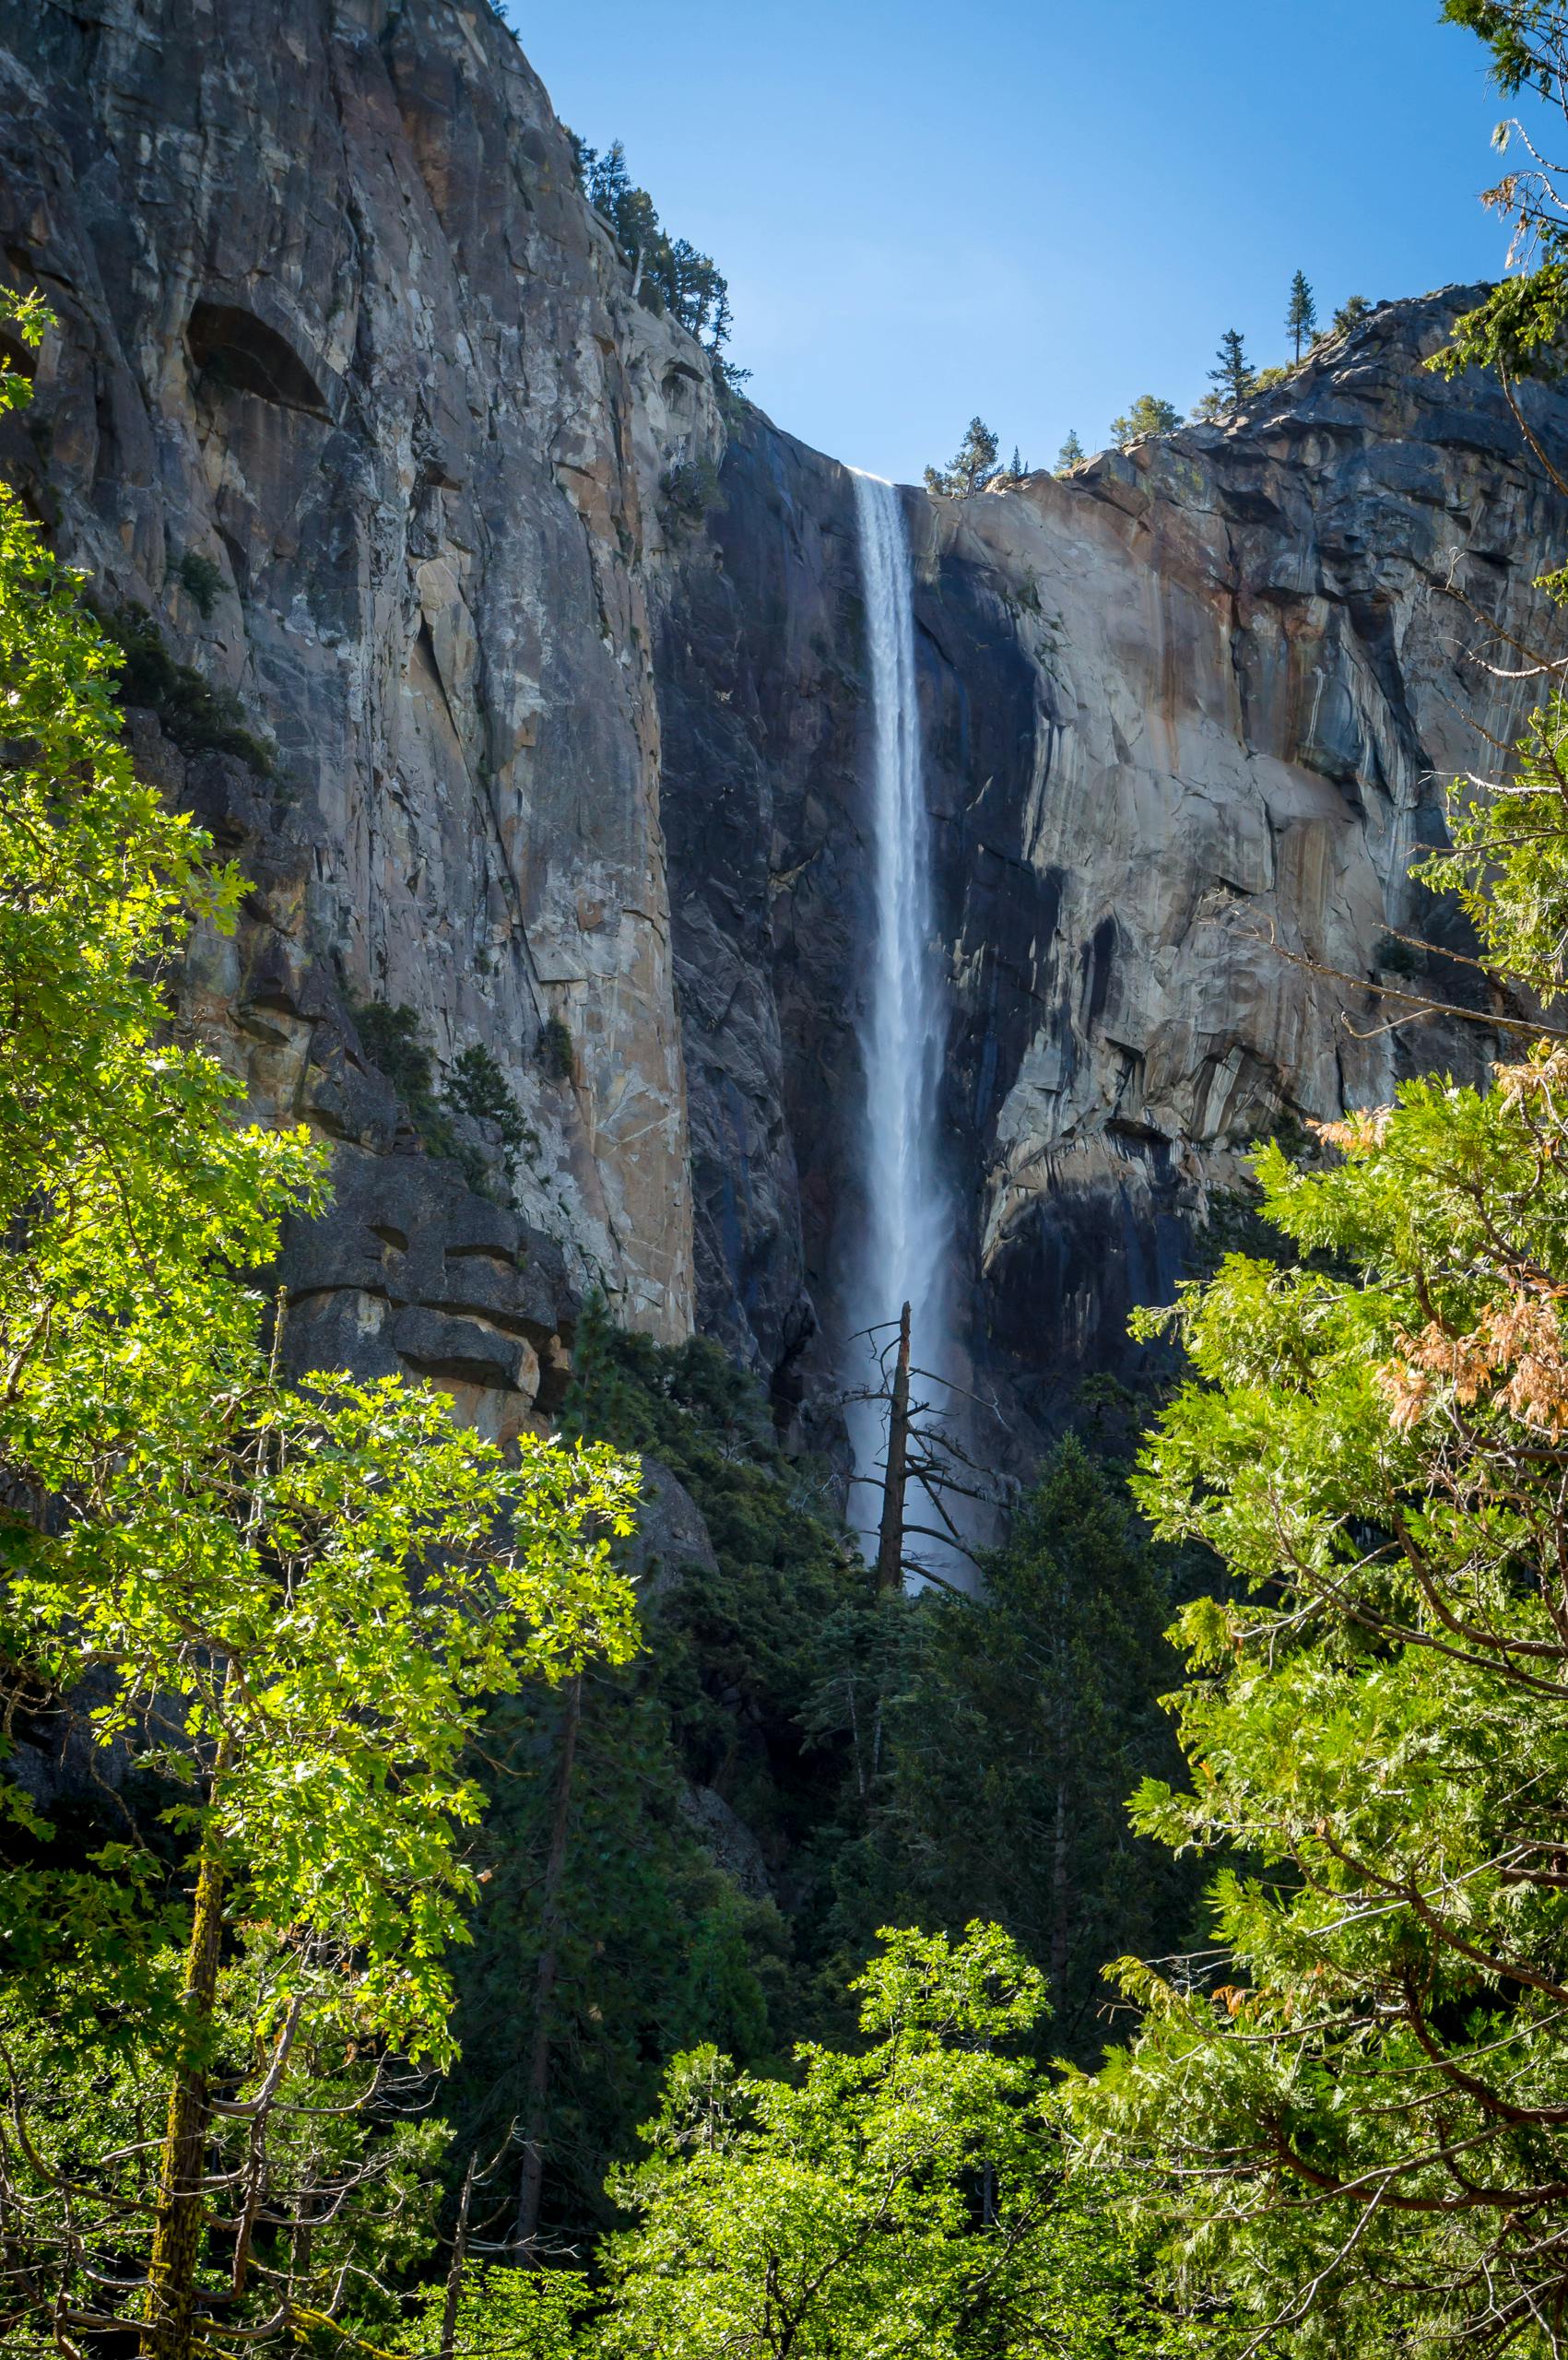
[(349, 395), (351, 398), (1186, 711)]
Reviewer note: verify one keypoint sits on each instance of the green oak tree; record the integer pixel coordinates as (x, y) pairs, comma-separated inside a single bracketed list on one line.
[(252, 1625), (499, 2312), (907, 2199)]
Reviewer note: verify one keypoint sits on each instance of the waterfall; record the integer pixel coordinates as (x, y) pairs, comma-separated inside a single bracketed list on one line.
[(902, 1254)]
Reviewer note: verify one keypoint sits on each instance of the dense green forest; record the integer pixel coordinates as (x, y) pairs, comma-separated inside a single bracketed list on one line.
[(437, 1922)]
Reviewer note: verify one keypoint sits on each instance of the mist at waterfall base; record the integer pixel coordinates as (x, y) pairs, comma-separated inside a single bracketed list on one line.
[(902, 1254)]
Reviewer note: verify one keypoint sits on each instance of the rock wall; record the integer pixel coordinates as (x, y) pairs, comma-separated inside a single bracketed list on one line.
[(1186, 712), (349, 395)]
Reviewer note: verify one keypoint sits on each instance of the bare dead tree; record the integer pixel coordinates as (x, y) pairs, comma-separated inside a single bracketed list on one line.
[(925, 1470), (889, 1550)]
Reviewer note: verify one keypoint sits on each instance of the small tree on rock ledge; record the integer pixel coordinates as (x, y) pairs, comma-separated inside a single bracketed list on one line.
[(1148, 415), (974, 467)]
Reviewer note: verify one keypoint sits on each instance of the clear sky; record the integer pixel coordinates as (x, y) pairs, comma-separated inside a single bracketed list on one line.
[(1032, 208)]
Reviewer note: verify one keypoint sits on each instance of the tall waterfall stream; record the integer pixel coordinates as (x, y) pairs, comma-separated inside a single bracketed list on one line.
[(903, 1252)]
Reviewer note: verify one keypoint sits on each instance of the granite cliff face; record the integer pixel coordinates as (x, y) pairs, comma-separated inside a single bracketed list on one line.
[(351, 396), (1185, 712)]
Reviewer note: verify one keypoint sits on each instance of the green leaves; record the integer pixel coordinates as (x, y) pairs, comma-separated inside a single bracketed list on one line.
[(1520, 34), (1509, 862), (1360, 2097), (267, 1619), (1519, 330), (908, 2199)]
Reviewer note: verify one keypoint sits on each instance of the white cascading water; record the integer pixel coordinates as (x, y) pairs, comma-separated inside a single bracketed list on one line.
[(902, 1256)]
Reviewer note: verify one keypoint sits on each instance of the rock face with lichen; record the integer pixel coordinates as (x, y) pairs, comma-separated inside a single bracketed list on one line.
[(355, 422), (350, 397)]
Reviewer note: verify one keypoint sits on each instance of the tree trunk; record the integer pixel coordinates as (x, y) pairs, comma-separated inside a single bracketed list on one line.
[(531, 2183), (169, 2330), (890, 1540), (459, 2263), (1058, 1963)]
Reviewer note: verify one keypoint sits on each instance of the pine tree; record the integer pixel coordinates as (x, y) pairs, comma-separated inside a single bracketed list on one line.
[(1071, 453), (974, 467), (1301, 313), (1026, 1715), (608, 177), (1233, 375), (1353, 2102), (1354, 308)]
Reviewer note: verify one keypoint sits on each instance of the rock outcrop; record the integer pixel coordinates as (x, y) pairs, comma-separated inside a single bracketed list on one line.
[(351, 396)]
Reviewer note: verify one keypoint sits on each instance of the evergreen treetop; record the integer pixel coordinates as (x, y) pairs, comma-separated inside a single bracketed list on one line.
[(1301, 313), (1232, 375), (973, 467), (667, 273)]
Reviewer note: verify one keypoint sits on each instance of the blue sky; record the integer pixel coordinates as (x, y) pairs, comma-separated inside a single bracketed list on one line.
[(1032, 208)]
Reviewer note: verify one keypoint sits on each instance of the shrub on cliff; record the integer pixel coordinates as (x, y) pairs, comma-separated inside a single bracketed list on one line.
[(197, 718), (1148, 415), (690, 490)]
